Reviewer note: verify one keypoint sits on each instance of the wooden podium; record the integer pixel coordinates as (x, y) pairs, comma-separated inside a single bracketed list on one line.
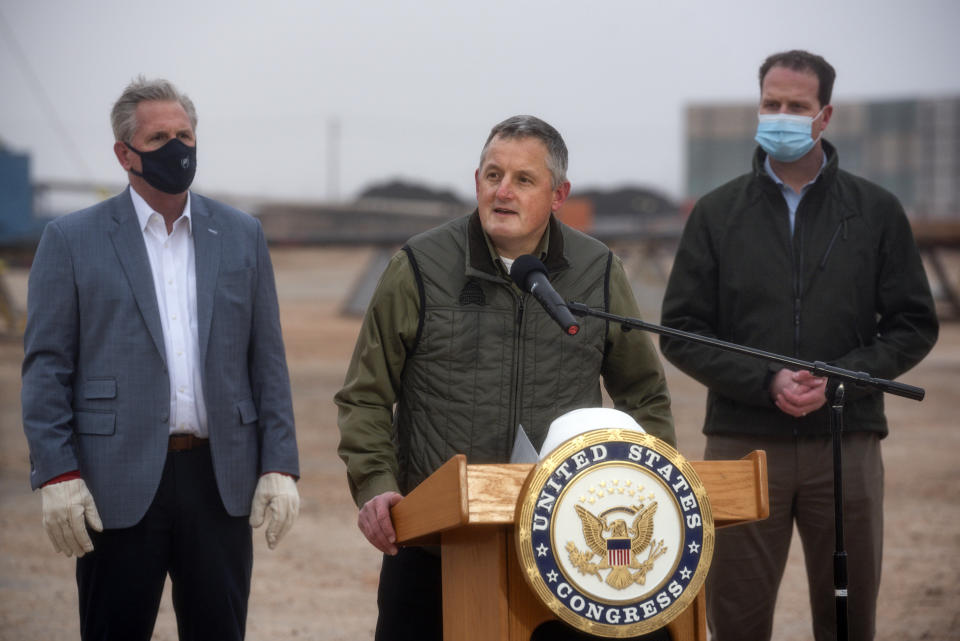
[(469, 511)]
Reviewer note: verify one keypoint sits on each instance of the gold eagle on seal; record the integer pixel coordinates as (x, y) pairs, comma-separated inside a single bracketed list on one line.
[(620, 550)]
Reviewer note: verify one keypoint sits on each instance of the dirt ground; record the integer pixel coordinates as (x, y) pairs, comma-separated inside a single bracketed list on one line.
[(321, 581)]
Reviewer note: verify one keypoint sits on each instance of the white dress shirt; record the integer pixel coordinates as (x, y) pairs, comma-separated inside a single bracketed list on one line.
[(172, 261)]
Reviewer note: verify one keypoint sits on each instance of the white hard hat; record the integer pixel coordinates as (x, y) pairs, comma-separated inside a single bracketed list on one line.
[(565, 427)]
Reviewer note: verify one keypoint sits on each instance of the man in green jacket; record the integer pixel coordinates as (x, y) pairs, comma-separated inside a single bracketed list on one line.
[(799, 258), (452, 357)]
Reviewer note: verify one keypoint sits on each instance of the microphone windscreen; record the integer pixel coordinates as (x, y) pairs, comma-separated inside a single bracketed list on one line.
[(523, 266)]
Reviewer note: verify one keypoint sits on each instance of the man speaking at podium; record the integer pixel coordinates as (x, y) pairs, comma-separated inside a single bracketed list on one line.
[(453, 356), (803, 259)]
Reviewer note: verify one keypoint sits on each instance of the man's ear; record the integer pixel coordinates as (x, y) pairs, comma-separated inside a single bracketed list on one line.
[(123, 154), (560, 196), (825, 118)]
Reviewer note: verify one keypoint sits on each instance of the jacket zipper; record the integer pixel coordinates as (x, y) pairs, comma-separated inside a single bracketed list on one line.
[(797, 281), (797, 262), (841, 226), (515, 392)]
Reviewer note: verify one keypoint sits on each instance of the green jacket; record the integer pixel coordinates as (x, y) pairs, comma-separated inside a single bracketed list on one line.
[(847, 288), (452, 356)]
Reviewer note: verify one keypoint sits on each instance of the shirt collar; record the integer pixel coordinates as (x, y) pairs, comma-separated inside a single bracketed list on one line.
[(540, 252), (145, 211), (769, 169)]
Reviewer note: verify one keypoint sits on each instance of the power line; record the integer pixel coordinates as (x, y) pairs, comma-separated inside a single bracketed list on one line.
[(44, 99)]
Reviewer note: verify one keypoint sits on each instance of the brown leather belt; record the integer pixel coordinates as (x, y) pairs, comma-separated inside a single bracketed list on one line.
[(184, 442)]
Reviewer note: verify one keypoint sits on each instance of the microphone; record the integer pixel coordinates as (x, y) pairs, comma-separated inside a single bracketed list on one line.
[(531, 276)]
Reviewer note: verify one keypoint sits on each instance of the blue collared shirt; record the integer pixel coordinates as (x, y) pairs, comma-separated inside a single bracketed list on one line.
[(793, 198)]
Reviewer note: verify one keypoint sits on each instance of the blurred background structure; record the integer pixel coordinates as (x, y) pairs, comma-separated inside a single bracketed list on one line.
[(360, 124), (910, 146)]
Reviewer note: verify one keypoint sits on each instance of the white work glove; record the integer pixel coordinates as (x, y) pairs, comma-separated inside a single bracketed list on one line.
[(66, 505), (277, 495)]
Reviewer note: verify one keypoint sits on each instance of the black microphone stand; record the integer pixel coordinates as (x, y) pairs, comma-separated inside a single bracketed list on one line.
[(836, 378)]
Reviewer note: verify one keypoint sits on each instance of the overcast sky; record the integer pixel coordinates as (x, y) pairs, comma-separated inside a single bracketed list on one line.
[(416, 85)]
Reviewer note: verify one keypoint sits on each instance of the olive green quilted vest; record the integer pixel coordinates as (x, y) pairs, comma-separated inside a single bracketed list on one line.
[(487, 356)]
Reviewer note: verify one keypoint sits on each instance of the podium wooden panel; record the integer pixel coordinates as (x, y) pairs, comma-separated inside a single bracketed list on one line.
[(468, 510)]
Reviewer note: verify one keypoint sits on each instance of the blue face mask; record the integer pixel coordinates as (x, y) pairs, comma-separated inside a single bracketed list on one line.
[(786, 137)]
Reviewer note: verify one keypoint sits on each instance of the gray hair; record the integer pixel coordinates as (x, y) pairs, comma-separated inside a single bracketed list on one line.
[(533, 127), (123, 117)]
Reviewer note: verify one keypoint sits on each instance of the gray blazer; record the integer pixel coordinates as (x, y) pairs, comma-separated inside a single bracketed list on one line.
[(96, 393)]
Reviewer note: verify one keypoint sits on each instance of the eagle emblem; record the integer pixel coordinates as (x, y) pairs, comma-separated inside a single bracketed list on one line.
[(620, 551)]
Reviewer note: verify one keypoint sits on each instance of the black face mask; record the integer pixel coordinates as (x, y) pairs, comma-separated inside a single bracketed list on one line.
[(170, 168)]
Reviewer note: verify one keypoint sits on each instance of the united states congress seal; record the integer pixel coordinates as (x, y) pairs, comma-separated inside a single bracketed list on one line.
[(614, 532)]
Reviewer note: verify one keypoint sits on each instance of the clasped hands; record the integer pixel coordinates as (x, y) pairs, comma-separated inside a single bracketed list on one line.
[(798, 393), (68, 507)]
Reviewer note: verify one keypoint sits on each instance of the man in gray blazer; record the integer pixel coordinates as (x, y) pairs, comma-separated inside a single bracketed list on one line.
[(156, 399)]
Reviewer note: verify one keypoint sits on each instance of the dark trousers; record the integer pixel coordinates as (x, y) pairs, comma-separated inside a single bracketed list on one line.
[(185, 533), (409, 596), (411, 609), (749, 560)]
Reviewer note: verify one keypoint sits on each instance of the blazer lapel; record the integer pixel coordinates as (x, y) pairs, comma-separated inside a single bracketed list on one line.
[(206, 245), (127, 238)]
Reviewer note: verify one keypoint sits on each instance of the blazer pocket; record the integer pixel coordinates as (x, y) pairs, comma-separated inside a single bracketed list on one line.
[(235, 288), (100, 388), (247, 410), (236, 278), (93, 422)]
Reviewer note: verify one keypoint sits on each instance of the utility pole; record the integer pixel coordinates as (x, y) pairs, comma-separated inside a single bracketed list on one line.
[(333, 159)]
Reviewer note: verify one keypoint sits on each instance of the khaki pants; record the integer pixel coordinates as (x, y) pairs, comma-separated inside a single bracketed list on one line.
[(750, 559)]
